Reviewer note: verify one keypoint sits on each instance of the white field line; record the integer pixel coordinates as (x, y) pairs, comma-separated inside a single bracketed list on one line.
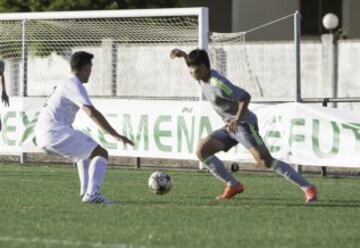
[(71, 243)]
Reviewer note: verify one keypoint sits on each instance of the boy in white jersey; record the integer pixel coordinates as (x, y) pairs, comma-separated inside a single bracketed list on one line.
[(231, 103), (4, 96), (55, 134)]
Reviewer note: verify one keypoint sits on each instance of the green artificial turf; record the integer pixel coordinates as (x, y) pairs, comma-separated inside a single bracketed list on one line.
[(40, 207)]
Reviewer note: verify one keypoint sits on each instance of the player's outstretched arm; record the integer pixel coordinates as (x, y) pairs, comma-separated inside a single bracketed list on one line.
[(100, 120), (4, 96), (177, 53)]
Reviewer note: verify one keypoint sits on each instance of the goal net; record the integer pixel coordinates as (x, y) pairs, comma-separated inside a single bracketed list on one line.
[(260, 60), (131, 49)]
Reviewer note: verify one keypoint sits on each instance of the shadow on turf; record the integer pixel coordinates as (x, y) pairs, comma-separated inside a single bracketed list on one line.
[(243, 202)]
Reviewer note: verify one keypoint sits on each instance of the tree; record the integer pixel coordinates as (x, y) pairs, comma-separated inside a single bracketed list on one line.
[(65, 5), (13, 39)]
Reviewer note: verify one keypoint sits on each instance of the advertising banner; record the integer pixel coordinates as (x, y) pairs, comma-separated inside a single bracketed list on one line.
[(298, 133)]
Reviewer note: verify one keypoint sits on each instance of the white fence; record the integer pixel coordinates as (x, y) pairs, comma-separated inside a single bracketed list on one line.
[(272, 63)]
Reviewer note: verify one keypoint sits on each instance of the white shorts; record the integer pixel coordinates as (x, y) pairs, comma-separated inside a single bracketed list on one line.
[(67, 142)]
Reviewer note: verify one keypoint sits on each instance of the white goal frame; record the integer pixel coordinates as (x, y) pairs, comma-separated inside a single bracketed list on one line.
[(201, 12)]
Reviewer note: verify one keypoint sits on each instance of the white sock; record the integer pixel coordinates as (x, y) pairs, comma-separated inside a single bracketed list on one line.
[(97, 171), (83, 171)]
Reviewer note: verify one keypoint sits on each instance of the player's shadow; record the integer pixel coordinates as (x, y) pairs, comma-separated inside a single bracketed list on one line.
[(277, 201), (243, 202), (339, 203)]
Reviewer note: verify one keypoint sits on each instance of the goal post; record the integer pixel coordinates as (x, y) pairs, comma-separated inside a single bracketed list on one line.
[(130, 48), (265, 60), (297, 41)]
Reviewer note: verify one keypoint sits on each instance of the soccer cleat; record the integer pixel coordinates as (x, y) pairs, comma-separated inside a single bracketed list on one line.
[(231, 191), (97, 199), (310, 194)]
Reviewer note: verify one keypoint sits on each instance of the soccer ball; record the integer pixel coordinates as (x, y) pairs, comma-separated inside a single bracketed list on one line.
[(160, 182)]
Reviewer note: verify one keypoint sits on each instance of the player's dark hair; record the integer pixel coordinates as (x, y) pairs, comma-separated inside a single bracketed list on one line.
[(197, 57), (79, 59)]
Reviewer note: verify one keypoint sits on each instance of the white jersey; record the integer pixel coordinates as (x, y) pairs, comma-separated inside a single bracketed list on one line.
[(64, 102), (54, 132)]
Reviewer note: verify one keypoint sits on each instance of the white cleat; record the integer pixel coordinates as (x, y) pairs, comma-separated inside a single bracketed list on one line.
[(97, 199)]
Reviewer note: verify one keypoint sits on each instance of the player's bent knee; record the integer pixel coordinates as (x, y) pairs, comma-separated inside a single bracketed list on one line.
[(268, 161), (267, 164), (200, 152), (261, 162), (99, 151), (264, 162)]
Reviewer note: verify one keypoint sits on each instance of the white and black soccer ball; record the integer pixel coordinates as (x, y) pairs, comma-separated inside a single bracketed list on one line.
[(160, 182)]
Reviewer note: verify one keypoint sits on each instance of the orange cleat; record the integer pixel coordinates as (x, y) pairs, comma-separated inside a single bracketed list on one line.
[(310, 194), (231, 191)]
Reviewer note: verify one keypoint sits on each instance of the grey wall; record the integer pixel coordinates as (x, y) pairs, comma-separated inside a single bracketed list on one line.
[(248, 14), (219, 12), (351, 18)]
